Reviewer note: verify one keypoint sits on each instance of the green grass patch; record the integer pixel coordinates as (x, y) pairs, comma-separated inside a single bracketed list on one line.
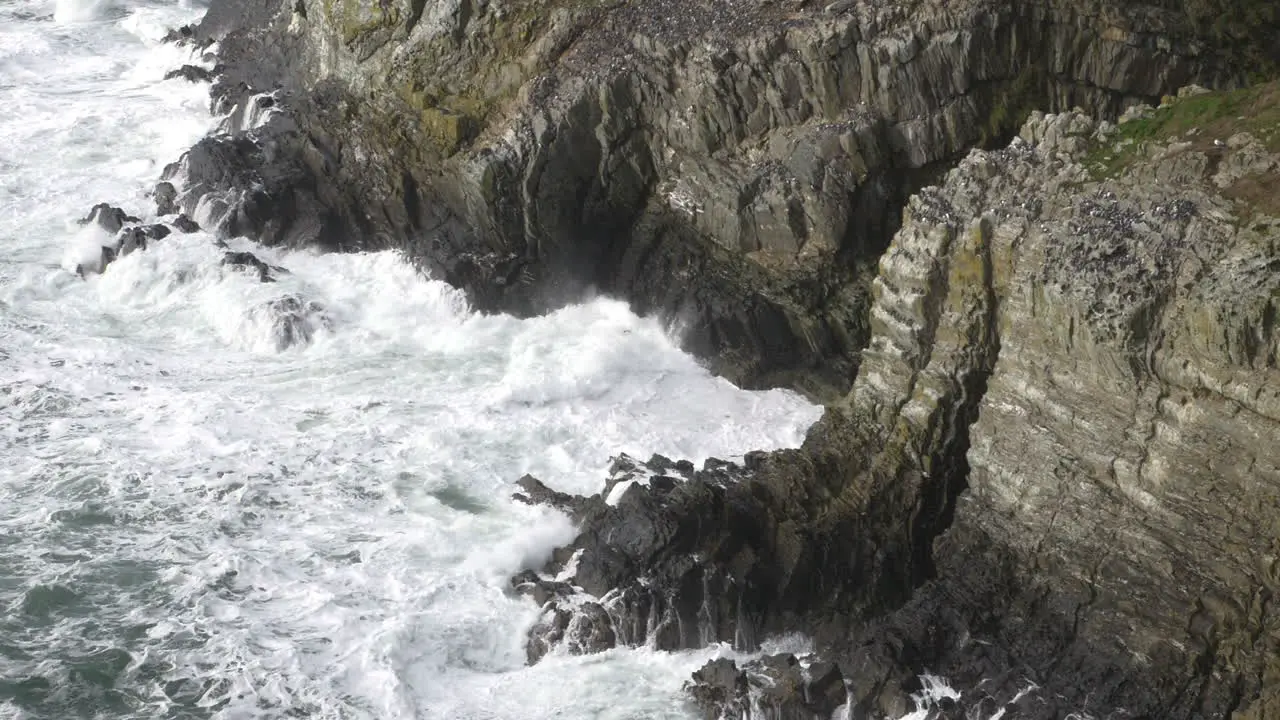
[(1199, 119)]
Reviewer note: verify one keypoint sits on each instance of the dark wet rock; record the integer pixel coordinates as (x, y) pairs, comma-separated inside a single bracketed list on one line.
[(130, 240), (166, 196), (590, 631), (185, 224), (540, 589), (534, 492), (719, 689), (106, 256), (546, 634), (252, 193), (781, 687), (136, 237), (587, 630), (192, 73), (726, 165), (249, 262), (920, 528), (295, 321), (156, 231), (662, 532), (184, 35), (108, 217), (659, 473)]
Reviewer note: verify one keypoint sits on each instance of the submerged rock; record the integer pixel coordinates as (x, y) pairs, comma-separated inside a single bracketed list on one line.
[(295, 321), (250, 262)]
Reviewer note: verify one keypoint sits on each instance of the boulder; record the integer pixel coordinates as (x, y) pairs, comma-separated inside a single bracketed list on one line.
[(106, 256), (295, 320), (185, 224), (108, 217), (166, 196), (157, 231), (131, 239), (587, 630), (249, 262)]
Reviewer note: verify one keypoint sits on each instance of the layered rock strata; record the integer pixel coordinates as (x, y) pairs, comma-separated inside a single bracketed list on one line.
[(734, 165), (1056, 480)]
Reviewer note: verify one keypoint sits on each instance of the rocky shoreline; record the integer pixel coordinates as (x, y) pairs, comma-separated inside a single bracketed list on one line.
[(1049, 468)]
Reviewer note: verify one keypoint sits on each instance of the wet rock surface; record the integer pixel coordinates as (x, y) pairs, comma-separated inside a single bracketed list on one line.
[(108, 217), (192, 73), (249, 262), (774, 686), (1046, 471), (295, 320), (737, 167), (166, 196), (185, 224), (1027, 490)]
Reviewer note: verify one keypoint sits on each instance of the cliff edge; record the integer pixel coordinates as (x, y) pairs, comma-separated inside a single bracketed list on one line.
[(1056, 479), (736, 166), (1049, 465)]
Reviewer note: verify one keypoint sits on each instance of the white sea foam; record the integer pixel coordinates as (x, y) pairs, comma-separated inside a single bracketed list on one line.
[(79, 11), (219, 524)]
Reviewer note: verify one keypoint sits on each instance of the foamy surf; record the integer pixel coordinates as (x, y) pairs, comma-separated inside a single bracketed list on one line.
[(200, 520), (79, 11)]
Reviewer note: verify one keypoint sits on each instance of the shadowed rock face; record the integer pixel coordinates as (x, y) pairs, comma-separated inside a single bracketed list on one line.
[(734, 166), (1056, 469)]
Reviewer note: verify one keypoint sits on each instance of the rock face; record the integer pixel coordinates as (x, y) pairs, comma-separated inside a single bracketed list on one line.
[(1049, 469), (128, 236), (1057, 474), (249, 262), (1123, 494), (736, 166), (780, 687)]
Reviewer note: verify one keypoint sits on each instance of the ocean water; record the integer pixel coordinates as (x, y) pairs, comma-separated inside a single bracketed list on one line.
[(196, 522)]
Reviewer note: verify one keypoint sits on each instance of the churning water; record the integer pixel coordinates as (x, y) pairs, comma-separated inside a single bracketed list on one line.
[(195, 522)]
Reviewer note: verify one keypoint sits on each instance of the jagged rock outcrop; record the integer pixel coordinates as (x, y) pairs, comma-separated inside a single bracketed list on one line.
[(1056, 470), (250, 263), (1119, 526), (778, 687), (128, 236), (734, 165), (1056, 480)]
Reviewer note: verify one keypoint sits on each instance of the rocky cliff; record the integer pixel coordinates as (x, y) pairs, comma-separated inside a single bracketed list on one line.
[(1056, 479), (734, 165), (1049, 467)]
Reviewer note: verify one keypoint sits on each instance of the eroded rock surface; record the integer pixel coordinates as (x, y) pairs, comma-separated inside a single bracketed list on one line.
[(779, 687), (735, 166), (1056, 471), (1056, 480)]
